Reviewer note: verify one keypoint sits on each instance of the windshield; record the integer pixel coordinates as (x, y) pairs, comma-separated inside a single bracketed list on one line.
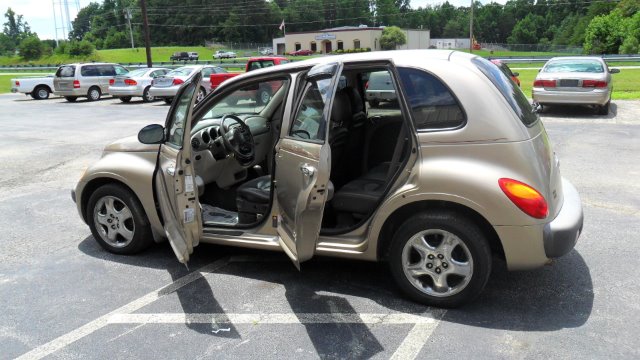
[(575, 65), (182, 71), (66, 71), (138, 72), (251, 99)]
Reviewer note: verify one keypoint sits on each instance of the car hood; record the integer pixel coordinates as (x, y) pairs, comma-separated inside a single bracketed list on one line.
[(130, 144)]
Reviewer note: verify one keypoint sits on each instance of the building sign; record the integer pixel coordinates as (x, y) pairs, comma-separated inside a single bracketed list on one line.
[(325, 36)]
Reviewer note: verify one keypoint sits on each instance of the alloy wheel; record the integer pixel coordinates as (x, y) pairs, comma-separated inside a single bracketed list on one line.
[(437, 262), (114, 221)]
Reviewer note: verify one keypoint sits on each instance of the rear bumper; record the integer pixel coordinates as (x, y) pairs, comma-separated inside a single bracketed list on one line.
[(76, 92), (14, 90), (561, 235), (167, 92), (120, 91), (593, 97)]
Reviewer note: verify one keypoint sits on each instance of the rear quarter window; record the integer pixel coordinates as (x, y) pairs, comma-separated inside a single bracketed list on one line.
[(511, 92), (89, 70), (433, 106), (66, 71)]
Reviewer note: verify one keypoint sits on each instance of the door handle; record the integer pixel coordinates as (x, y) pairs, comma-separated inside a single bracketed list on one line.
[(307, 170), (171, 171)]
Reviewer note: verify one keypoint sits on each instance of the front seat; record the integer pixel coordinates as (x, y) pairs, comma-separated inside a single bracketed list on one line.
[(253, 197)]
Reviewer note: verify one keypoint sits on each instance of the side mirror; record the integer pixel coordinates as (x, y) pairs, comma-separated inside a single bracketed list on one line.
[(614, 71), (151, 134), (516, 74)]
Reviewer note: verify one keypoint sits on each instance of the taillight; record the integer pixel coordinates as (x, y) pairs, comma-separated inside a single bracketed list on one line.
[(178, 81), (112, 81), (525, 197), (130, 82), (17, 83), (544, 83), (76, 84), (594, 84), (366, 85)]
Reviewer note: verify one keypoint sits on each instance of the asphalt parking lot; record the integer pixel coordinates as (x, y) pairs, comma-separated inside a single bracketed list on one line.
[(62, 296)]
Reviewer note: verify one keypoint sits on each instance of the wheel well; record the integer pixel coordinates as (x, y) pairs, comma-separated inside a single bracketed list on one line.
[(95, 87), (93, 185), (396, 219)]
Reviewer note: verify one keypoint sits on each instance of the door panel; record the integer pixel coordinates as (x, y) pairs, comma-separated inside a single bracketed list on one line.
[(175, 176), (303, 166)]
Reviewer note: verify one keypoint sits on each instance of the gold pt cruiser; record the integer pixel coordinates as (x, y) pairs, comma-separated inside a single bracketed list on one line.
[(456, 171)]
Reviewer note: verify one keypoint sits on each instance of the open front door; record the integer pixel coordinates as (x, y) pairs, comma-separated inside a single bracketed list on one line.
[(303, 163), (175, 177)]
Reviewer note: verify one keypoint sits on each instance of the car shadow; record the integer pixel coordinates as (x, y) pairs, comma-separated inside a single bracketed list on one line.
[(577, 111), (555, 297), (195, 298)]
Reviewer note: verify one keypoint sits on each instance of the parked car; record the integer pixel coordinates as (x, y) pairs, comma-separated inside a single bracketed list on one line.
[(38, 88), (379, 88), (166, 86), (301, 52), (266, 51), (180, 56), (222, 54), (575, 81), (463, 171), (136, 83), (253, 63), (503, 66), (193, 55), (90, 80)]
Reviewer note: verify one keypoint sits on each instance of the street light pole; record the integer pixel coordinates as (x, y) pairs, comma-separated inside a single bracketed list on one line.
[(471, 29)]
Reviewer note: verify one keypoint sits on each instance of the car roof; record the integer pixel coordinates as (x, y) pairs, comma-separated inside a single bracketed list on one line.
[(597, 58), (90, 63)]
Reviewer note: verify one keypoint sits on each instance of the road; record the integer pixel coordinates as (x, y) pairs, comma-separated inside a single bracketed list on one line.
[(63, 297)]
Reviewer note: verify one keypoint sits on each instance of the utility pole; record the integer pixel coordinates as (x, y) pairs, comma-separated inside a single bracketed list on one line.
[(471, 29), (145, 25), (127, 15), (55, 20)]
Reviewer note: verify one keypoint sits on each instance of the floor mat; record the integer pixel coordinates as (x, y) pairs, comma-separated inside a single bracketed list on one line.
[(215, 215)]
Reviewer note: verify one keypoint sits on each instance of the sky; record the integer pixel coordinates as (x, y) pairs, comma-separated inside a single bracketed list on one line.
[(39, 13)]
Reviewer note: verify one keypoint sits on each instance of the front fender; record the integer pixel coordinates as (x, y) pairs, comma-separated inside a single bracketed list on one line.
[(133, 169)]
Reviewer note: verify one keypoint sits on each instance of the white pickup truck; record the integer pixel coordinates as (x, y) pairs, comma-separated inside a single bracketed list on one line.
[(222, 54), (38, 88)]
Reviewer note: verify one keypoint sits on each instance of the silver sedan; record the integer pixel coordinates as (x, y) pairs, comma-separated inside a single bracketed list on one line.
[(166, 87), (575, 80), (135, 83)]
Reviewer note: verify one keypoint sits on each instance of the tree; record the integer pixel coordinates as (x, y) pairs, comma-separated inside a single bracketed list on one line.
[(605, 34), (31, 48), (16, 28), (392, 37), (527, 30)]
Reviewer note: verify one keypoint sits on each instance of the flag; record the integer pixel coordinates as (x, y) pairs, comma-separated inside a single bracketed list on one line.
[(281, 25)]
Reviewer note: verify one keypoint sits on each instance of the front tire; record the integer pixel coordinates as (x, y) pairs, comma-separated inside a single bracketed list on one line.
[(440, 259), (201, 95), (146, 97), (263, 96), (117, 220)]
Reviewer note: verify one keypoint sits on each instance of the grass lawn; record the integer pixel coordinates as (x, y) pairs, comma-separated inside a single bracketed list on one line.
[(5, 83)]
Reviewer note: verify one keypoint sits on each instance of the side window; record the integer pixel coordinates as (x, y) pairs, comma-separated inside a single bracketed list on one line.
[(106, 70), (120, 70), (206, 72), (176, 129), (309, 122), (89, 70), (432, 104)]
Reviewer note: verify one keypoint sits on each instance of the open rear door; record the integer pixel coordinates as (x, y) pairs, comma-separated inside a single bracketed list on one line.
[(175, 177), (303, 163)]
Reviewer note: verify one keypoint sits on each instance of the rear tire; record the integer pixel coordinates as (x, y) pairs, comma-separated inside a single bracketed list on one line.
[(40, 93), (71, 98), (374, 103), (168, 101), (125, 99), (604, 109), (94, 93), (263, 96), (117, 220), (440, 259)]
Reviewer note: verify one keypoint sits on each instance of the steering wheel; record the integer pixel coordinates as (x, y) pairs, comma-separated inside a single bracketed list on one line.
[(238, 140)]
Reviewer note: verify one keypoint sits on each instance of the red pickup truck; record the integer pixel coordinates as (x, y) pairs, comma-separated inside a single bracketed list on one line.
[(252, 64)]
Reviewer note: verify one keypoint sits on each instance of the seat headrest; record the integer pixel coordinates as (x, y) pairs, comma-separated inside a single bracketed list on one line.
[(357, 105), (341, 109)]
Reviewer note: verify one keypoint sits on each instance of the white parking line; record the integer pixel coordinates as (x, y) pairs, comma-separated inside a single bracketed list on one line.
[(410, 347), (77, 334)]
